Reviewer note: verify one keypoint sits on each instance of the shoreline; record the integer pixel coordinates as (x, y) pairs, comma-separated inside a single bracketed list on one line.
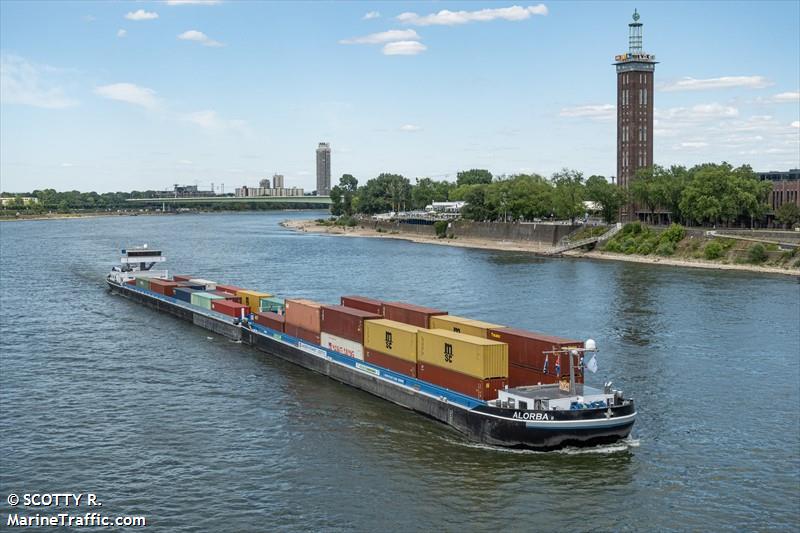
[(310, 226)]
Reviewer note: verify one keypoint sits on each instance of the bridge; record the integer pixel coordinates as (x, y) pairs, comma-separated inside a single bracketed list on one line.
[(322, 201)]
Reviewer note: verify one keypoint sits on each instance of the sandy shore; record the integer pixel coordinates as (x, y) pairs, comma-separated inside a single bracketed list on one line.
[(515, 246), (66, 216)]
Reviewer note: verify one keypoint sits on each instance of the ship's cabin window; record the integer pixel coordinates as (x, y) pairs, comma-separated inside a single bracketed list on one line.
[(523, 406)]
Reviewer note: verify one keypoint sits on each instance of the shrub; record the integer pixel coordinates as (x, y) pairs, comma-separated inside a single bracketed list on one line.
[(629, 245), (441, 228), (645, 248), (665, 248), (612, 246), (632, 228), (757, 253), (674, 234), (713, 250)]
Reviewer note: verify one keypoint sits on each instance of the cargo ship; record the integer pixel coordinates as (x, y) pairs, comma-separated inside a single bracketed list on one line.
[(496, 385)]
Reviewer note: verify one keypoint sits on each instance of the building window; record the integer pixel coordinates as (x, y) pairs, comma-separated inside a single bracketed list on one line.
[(644, 99)]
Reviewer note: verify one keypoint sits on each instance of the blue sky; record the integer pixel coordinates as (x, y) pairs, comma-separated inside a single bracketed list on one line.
[(138, 95)]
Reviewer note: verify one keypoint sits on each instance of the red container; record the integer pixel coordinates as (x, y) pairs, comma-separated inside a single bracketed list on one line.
[(304, 314), (526, 348), (416, 315), (230, 308), (227, 295), (300, 333), (270, 320), (345, 322), (183, 278), (228, 288), (391, 362), (365, 304), (483, 389), (163, 286), (131, 281)]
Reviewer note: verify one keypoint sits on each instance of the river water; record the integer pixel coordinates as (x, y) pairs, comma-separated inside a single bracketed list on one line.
[(161, 419)]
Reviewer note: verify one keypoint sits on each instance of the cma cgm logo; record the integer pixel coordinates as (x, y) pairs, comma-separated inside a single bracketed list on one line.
[(388, 340), (448, 352)]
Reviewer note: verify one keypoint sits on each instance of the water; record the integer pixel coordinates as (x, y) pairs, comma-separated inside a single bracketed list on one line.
[(197, 433)]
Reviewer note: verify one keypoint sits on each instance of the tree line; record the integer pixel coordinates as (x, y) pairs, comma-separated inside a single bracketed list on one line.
[(711, 193)]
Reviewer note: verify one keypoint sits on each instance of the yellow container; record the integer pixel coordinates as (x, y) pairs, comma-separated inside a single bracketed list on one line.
[(391, 338), (473, 356), (458, 324), (252, 299)]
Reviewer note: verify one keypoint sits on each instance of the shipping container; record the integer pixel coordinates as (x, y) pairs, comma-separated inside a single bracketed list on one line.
[(301, 333), (342, 345), (143, 283), (392, 363), (203, 299), (184, 294), (391, 338), (345, 322), (365, 304), (480, 388), (467, 326), (228, 288), (273, 304), (252, 299), (182, 278), (270, 320), (131, 282), (231, 308), (188, 285), (519, 376), (473, 356), (209, 285), (304, 314), (163, 286), (526, 348), (227, 295), (415, 315)]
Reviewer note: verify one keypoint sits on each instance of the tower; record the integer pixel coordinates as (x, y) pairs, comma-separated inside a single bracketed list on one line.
[(634, 109), (323, 169)]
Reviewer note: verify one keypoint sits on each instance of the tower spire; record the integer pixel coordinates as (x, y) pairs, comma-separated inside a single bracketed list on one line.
[(635, 34)]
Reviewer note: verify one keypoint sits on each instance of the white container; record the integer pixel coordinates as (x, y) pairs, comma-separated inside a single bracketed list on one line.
[(343, 346), (209, 285)]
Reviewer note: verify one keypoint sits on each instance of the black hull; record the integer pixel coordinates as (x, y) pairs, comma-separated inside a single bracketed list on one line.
[(481, 423)]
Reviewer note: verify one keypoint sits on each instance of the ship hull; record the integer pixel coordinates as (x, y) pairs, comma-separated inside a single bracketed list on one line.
[(480, 423)]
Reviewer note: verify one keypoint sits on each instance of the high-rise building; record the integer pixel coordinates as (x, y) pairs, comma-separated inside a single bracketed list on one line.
[(264, 183), (634, 109), (323, 169), (277, 181)]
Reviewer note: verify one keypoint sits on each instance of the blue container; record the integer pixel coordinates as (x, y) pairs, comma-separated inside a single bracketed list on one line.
[(184, 294)]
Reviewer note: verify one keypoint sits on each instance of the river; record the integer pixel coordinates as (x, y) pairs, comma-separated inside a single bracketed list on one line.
[(196, 433)]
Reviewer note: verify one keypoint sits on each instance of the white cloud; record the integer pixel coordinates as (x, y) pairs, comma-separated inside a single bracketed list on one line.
[(198, 37), (184, 162), (691, 145), (122, 33), (192, 2), (596, 112), (410, 128), (66, 165), (25, 83), (404, 48), (795, 124), (452, 18), (371, 15), (89, 18), (209, 120), (724, 82), (787, 97), (383, 37), (141, 14), (697, 113), (130, 93)]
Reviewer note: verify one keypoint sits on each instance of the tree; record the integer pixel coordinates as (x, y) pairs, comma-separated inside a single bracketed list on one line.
[(475, 176), (643, 188), (718, 193), (788, 214), (387, 192), (668, 188), (568, 194), (476, 207), (610, 197), (348, 185), (427, 191), (336, 201), (529, 196)]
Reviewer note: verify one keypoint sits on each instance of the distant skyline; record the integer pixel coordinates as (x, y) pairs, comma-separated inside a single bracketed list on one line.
[(111, 96)]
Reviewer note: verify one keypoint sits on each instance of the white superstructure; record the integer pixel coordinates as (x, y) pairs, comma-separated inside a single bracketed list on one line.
[(138, 263)]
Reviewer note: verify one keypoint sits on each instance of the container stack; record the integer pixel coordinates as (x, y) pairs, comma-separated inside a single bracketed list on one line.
[(227, 295), (163, 286), (342, 329), (270, 320), (392, 345), (303, 319), (467, 326), (273, 304), (143, 283), (203, 299), (230, 308), (470, 365), (206, 284), (365, 304), (184, 294), (252, 299), (526, 355), (415, 315)]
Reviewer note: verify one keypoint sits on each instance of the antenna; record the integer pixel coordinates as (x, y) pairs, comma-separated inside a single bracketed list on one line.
[(635, 34)]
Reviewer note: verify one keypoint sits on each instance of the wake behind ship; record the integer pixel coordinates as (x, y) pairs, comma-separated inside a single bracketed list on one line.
[(494, 384)]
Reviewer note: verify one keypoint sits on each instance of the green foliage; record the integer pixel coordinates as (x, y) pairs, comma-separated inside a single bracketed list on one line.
[(713, 250), (427, 191), (632, 228), (665, 248), (613, 246), (610, 197), (721, 193), (475, 176), (646, 247), (629, 246), (441, 228), (568, 194), (788, 214), (757, 254), (674, 234), (387, 192)]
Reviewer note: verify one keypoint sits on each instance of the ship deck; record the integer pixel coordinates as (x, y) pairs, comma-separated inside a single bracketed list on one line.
[(552, 392)]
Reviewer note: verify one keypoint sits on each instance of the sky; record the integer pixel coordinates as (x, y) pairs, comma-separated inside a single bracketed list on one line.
[(119, 96)]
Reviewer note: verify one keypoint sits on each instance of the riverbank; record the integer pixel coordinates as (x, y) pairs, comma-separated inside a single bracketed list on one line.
[(311, 226), (66, 216)]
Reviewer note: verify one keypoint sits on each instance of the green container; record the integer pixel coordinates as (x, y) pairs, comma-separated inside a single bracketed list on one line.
[(273, 304), (203, 299), (143, 283)]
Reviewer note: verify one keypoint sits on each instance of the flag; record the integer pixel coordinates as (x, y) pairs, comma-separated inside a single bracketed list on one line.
[(592, 364), (546, 357)]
